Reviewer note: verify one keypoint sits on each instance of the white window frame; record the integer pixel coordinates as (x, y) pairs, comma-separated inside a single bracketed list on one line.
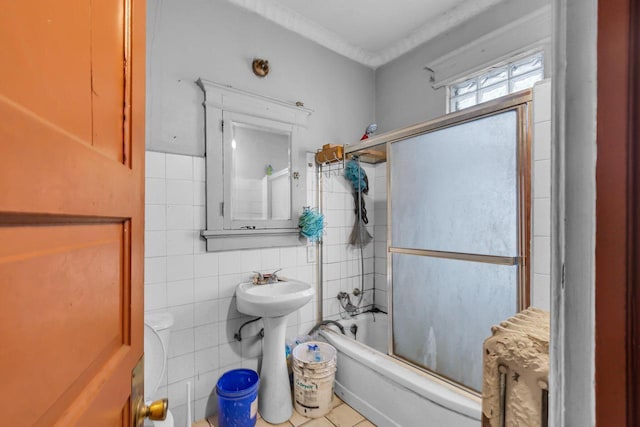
[(486, 71)]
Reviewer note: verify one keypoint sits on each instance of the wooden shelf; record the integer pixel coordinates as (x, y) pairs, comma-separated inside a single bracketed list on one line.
[(370, 156)]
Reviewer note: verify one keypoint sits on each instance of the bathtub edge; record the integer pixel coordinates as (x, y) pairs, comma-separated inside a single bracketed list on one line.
[(440, 394)]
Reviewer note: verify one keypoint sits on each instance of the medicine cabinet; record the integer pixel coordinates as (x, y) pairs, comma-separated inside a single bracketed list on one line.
[(255, 183)]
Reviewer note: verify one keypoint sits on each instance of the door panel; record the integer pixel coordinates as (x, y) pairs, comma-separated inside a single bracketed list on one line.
[(90, 185), (48, 47), (71, 210), (70, 277)]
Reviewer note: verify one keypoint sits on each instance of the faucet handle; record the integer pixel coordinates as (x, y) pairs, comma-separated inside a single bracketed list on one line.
[(258, 279), (273, 278)]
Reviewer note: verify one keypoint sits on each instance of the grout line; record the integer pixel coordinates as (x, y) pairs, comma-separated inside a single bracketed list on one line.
[(330, 422)]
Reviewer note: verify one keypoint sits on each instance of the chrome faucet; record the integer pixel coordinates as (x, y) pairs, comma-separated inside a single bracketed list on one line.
[(273, 278), (258, 278), (261, 279)]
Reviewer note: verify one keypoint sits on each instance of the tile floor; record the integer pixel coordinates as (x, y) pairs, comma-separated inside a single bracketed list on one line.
[(342, 415)]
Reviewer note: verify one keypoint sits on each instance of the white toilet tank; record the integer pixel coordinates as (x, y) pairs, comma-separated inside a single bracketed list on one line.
[(157, 329)]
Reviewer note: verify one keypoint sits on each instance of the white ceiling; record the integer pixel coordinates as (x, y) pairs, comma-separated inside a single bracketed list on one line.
[(372, 32)]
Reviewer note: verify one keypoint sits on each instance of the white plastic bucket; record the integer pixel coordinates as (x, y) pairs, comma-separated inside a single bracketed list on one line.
[(313, 381)]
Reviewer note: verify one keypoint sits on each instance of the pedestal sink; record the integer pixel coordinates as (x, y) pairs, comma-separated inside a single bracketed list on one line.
[(273, 302)]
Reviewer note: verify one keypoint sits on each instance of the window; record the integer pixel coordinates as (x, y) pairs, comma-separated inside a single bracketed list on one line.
[(497, 82)]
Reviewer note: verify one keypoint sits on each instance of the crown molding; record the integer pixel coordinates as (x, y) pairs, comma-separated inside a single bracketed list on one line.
[(490, 50), (433, 28), (300, 24), (294, 21)]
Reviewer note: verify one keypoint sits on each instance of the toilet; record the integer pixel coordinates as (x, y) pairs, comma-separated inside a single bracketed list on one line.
[(157, 328)]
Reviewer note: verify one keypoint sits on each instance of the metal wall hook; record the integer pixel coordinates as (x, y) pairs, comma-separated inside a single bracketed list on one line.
[(260, 67)]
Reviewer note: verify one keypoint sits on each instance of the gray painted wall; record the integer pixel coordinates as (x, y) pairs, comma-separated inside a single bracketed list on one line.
[(404, 95), (573, 214), (217, 41)]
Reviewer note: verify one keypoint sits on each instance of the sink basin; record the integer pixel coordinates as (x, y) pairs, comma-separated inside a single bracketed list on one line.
[(273, 300)]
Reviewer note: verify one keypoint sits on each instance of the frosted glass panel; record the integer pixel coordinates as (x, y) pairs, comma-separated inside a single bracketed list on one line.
[(443, 311), (455, 189)]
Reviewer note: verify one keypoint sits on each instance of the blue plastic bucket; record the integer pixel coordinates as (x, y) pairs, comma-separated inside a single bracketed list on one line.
[(238, 398)]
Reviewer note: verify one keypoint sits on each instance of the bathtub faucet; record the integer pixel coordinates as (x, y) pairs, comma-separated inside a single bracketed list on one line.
[(327, 322), (345, 302)]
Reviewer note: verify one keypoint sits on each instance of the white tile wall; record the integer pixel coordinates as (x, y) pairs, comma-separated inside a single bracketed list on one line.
[(541, 203), (342, 264), (380, 235), (198, 287), (179, 167)]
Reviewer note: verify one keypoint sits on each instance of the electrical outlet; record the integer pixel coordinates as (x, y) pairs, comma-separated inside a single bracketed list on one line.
[(311, 254)]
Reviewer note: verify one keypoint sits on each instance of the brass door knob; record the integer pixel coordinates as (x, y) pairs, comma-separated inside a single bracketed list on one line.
[(156, 411)]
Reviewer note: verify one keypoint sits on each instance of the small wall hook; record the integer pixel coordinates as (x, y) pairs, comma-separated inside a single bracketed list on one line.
[(260, 67), (432, 74)]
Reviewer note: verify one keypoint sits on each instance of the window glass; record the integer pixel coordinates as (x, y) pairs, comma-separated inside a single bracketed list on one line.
[(498, 81), (526, 65), (493, 77), (463, 102), (525, 81), (493, 92), (468, 86)]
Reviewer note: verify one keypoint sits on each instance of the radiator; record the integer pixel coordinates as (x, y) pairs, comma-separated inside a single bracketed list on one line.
[(515, 386)]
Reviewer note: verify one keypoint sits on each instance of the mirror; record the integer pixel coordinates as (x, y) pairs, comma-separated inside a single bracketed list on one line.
[(255, 188), (260, 174)]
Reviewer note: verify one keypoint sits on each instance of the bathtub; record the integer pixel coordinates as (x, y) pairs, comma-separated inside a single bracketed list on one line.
[(387, 391)]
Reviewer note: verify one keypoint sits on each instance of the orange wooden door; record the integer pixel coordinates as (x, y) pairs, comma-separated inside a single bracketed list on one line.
[(71, 210)]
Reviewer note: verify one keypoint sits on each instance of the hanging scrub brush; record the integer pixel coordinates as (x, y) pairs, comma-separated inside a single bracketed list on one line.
[(358, 177), (311, 224)]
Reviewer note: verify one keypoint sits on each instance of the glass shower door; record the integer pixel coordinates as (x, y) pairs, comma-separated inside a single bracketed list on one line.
[(455, 247)]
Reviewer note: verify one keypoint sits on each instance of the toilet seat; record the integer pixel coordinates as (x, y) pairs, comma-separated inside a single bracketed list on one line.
[(155, 361)]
